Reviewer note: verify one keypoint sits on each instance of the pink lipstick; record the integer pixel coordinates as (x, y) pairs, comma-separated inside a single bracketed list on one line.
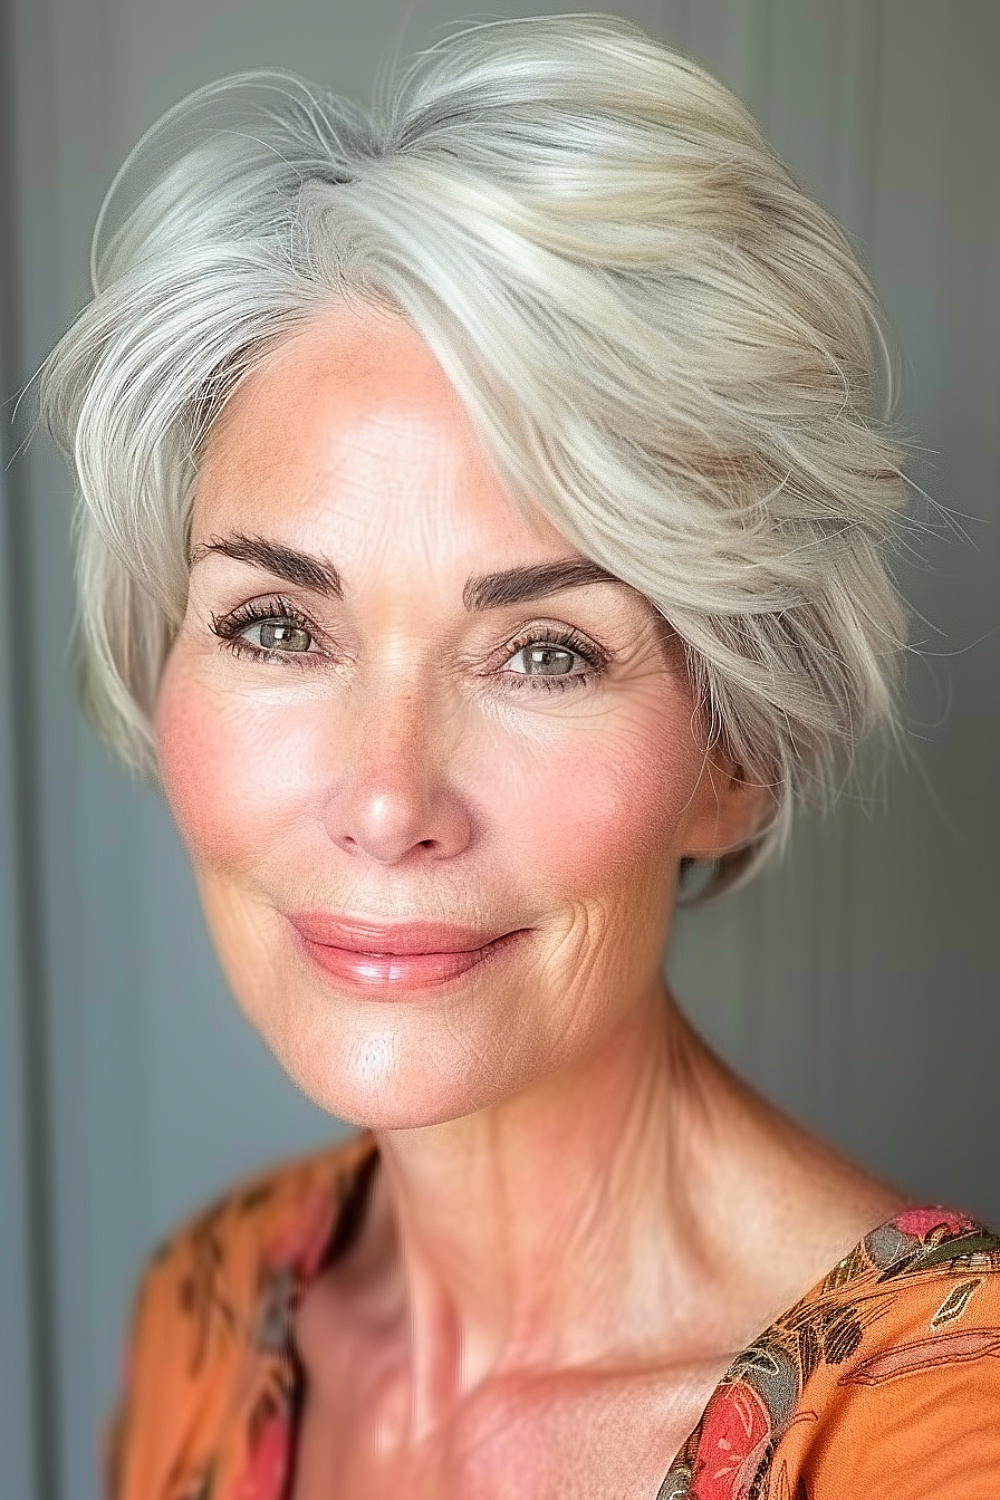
[(389, 958)]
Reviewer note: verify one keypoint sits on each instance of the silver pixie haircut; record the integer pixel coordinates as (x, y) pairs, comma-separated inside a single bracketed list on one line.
[(664, 345)]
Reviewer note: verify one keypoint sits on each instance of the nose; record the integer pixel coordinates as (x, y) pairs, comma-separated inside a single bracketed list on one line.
[(396, 793)]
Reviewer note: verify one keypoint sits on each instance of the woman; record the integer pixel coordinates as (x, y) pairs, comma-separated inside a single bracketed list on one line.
[(481, 528)]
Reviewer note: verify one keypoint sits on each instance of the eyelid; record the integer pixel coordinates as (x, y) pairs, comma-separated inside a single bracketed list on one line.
[(266, 607), (275, 605), (565, 636)]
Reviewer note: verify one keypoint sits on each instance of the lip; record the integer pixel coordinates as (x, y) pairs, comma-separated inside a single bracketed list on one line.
[(383, 976), (399, 939), (387, 971)]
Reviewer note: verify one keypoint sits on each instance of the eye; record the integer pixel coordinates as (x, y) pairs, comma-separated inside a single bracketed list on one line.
[(282, 632), (548, 654)]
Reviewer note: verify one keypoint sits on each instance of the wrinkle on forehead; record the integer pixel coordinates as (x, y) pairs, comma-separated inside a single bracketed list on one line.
[(382, 382), (391, 429)]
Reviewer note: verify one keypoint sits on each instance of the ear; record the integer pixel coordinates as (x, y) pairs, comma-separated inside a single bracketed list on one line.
[(726, 810)]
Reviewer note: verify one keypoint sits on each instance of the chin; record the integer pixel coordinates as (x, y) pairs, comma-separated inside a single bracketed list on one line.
[(377, 1077)]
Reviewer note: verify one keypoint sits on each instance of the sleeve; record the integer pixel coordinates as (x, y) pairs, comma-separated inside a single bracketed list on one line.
[(149, 1417), (923, 1425), (206, 1331)]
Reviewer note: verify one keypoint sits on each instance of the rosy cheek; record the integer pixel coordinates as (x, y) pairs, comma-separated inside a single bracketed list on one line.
[(233, 767), (605, 805), (194, 760)]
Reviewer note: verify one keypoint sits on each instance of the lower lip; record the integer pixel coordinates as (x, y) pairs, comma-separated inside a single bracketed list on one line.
[(385, 974)]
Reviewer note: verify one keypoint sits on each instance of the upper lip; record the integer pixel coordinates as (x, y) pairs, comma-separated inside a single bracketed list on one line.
[(363, 936)]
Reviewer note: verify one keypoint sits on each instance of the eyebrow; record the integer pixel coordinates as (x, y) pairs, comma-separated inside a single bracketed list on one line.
[(482, 591)]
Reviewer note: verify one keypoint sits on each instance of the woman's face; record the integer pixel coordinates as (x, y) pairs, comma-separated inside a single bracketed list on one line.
[(346, 726)]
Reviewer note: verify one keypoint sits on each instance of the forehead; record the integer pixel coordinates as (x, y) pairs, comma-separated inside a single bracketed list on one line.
[(350, 424)]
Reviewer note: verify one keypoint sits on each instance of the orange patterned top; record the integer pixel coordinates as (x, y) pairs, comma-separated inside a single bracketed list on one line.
[(881, 1383)]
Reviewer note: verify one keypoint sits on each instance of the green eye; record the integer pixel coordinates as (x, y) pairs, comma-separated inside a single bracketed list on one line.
[(548, 646), (282, 635)]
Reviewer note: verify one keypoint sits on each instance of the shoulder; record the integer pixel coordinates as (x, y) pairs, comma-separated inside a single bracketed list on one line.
[(915, 1408), (216, 1289), (298, 1197), (280, 1216), (897, 1361), (883, 1380)]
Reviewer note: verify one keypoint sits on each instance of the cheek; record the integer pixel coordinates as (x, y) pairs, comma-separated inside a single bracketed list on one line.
[(609, 805), (232, 768)]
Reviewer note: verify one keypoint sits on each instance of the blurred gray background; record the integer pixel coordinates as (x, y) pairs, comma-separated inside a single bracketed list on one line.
[(857, 984)]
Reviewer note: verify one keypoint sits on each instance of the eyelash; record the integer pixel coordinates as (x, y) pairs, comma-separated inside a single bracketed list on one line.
[(228, 628)]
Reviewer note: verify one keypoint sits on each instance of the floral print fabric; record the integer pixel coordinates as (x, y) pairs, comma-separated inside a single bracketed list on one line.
[(881, 1383)]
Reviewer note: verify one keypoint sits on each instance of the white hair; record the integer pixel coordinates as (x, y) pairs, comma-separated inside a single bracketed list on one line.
[(664, 344)]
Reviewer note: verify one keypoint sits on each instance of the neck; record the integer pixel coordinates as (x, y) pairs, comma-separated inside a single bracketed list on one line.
[(572, 1227)]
